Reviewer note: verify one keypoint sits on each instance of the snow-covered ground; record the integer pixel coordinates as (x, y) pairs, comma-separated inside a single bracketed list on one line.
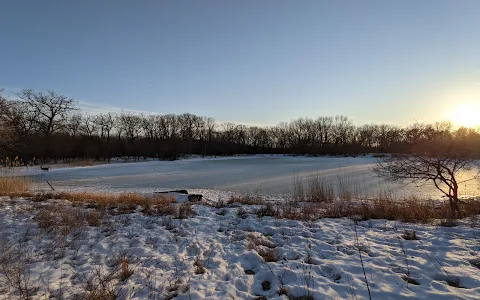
[(264, 175), (215, 255)]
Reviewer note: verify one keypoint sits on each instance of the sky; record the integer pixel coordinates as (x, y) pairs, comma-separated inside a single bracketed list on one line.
[(250, 62)]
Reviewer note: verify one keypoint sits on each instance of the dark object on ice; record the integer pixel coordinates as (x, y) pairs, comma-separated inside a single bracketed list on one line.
[(195, 198), (50, 185), (176, 191), (44, 168)]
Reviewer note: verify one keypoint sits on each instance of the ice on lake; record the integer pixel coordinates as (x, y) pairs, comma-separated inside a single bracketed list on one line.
[(263, 175)]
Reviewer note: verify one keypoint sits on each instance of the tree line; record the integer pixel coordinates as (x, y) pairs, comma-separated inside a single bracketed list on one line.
[(48, 125)]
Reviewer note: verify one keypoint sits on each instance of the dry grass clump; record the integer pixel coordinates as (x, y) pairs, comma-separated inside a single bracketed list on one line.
[(412, 210), (64, 219), (15, 186), (124, 202), (82, 163), (199, 267), (94, 218), (267, 210), (408, 210), (185, 211), (125, 270), (290, 210), (269, 254), (99, 285), (320, 190), (245, 200)]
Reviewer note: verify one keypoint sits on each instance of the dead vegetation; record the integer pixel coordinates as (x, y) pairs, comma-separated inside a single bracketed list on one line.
[(407, 210), (123, 203), (64, 219), (15, 186)]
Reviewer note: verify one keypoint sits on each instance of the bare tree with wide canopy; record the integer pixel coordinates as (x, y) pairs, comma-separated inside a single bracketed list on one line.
[(444, 168)]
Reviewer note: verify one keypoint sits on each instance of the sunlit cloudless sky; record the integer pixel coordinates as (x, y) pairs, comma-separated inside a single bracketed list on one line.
[(251, 62)]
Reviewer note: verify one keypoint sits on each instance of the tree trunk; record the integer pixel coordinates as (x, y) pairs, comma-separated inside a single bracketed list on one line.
[(453, 198)]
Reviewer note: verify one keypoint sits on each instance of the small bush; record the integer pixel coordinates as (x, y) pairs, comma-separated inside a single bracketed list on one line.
[(94, 218), (15, 186), (125, 271), (185, 211), (199, 267), (319, 190), (267, 210)]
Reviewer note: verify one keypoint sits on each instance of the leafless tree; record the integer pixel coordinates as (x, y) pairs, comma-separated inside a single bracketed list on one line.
[(442, 168), (148, 126), (6, 138), (131, 125), (75, 124), (89, 126), (105, 122), (51, 109)]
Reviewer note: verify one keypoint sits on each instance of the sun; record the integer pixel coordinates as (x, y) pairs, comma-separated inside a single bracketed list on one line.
[(467, 115)]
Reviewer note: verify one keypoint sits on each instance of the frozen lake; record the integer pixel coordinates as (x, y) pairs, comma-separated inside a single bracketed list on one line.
[(264, 175)]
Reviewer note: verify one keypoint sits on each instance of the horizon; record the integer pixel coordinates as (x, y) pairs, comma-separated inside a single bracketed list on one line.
[(253, 63)]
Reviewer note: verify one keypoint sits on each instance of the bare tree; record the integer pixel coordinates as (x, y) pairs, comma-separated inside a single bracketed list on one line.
[(50, 108), (440, 168), (131, 125), (105, 122), (75, 124), (89, 126), (6, 138)]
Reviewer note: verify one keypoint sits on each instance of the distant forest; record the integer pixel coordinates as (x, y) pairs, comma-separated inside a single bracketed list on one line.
[(50, 126)]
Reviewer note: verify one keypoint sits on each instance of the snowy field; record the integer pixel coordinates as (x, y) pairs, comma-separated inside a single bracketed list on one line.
[(262, 175), (57, 249), (221, 254)]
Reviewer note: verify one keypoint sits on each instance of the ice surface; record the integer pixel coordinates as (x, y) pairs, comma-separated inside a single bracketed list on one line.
[(263, 175)]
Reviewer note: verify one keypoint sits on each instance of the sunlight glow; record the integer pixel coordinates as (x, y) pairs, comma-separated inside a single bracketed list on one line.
[(467, 115)]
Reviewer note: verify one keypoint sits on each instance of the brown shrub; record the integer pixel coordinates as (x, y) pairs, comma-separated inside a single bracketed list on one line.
[(199, 267), (267, 210), (408, 210), (185, 211), (45, 218), (61, 218), (125, 270), (94, 218), (126, 202), (15, 186)]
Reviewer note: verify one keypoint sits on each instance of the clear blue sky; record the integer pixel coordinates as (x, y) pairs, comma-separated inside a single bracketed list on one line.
[(252, 62)]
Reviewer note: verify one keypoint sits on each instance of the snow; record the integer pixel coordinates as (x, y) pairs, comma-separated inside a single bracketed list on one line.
[(318, 259)]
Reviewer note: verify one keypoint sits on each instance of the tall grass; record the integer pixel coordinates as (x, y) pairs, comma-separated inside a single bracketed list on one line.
[(321, 189), (14, 186)]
